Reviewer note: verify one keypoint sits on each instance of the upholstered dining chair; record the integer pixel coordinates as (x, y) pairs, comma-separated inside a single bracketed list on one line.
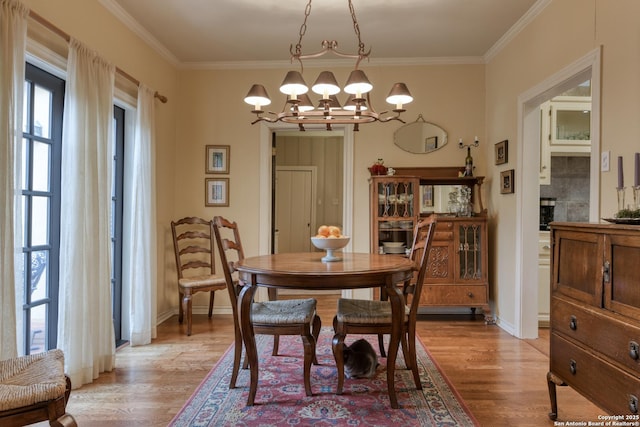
[(374, 317), (193, 244), (280, 317)]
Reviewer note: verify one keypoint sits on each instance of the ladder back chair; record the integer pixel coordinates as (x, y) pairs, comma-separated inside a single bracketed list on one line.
[(374, 317), (193, 244), (282, 317)]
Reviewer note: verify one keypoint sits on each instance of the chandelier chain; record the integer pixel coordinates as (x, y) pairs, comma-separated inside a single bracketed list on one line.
[(303, 28), (356, 27)]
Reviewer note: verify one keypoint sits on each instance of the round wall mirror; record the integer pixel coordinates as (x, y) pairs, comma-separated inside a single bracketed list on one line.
[(420, 137)]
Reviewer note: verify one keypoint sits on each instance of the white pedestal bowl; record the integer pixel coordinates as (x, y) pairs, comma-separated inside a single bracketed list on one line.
[(330, 245)]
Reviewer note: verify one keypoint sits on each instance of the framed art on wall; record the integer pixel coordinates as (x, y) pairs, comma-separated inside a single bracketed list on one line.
[(216, 191), (506, 181), (502, 153), (217, 159)]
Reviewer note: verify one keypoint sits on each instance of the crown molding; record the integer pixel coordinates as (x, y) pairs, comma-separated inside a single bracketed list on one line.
[(511, 34), (137, 29), (320, 63)]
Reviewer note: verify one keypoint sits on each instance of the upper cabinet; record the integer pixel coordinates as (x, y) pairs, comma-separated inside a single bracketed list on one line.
[(565, 130)]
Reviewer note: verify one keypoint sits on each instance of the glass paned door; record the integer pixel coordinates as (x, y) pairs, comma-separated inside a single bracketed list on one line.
[(40, 183)]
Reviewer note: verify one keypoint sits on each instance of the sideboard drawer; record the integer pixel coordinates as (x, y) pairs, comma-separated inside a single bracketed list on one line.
[(467, 295), (598, 380), (596, 328)]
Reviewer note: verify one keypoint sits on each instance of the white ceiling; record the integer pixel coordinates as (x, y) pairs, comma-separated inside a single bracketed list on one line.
[(210, 32)]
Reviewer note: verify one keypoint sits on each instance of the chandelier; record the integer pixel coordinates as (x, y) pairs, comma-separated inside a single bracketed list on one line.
[(298, 108)]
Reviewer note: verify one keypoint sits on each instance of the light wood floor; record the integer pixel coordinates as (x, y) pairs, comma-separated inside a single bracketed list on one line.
[(502, 379)]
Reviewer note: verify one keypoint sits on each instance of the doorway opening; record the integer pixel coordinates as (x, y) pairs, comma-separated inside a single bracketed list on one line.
[(528, 191), (267, 172), (308, 186)]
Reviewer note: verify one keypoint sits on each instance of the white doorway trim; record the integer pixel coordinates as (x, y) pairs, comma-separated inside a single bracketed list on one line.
[(264, 238), (528, 188)]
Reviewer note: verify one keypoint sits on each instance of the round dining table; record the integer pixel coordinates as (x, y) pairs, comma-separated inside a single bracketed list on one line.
[(306, 270)]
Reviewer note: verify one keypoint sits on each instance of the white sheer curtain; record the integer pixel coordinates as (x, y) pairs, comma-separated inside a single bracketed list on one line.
[(140, 224), (13, 35), (85, 324)]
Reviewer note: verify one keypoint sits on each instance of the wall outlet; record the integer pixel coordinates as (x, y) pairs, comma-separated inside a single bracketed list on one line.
[(604, 161)]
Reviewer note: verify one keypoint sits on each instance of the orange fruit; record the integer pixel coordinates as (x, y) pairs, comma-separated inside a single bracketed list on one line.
[(335, 231), (323, 230)]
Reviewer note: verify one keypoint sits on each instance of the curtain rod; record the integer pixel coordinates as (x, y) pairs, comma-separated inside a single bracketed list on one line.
[(39, 19)]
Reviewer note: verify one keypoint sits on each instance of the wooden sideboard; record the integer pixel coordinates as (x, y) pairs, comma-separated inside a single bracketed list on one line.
[(457, 273), (595, 315)]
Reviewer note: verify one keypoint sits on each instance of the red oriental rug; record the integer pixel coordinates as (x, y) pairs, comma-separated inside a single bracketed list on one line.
[(281, 400)]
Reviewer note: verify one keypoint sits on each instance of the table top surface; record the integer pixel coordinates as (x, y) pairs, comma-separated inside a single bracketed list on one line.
[(301, 263)]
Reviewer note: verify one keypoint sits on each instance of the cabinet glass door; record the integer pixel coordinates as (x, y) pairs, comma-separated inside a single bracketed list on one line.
[(396, 210), (571, 123), (470, 251)]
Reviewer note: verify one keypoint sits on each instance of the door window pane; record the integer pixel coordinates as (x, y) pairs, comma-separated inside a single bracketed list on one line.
[(39, 273), (25, 107), (38, 337), (39, 221), (41, 162), (42, 112)]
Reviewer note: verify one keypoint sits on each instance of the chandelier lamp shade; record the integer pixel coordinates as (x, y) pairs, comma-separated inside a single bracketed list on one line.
[(300, 110)]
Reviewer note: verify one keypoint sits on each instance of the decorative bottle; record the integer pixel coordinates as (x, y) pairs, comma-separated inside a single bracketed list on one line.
[(468, 163)]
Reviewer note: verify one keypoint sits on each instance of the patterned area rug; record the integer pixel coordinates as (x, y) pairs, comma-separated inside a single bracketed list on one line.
[(281, 400)]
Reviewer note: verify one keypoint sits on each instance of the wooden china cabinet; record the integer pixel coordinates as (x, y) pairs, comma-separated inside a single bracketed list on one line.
[(457, 271)]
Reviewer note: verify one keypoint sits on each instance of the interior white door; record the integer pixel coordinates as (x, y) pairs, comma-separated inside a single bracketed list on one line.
[(295, 208)]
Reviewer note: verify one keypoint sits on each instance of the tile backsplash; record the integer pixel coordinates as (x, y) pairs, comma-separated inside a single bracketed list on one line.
[(570, 187)]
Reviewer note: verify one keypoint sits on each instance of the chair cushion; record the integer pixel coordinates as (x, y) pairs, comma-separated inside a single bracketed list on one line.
[(204, 281), (365, 311), (283, 312), (31, 379)]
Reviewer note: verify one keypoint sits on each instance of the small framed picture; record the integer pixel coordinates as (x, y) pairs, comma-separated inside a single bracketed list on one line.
[(216, 191), (217, 159), (502, 153), (506, 181), (426, 198)]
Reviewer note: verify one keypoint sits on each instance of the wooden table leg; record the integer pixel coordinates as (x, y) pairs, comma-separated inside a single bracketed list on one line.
[(244, 307), (397, 314)]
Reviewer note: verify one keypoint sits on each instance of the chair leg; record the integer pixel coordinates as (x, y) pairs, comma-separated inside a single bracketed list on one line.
[(237, 355), (186, 308), (406, 352), (276, 345), (381, 345), (180, 310), (65, 420), (309, 344), (337, 345), (317, 325), (211, 298), (411, 358), (245, 363)]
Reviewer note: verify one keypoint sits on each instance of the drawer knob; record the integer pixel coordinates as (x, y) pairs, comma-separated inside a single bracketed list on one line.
[(634, 350), (573, 323), (470, 294), (573, 366), (633, 403)]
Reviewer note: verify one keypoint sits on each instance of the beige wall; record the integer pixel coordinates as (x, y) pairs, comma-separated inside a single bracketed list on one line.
[(564, 32)]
